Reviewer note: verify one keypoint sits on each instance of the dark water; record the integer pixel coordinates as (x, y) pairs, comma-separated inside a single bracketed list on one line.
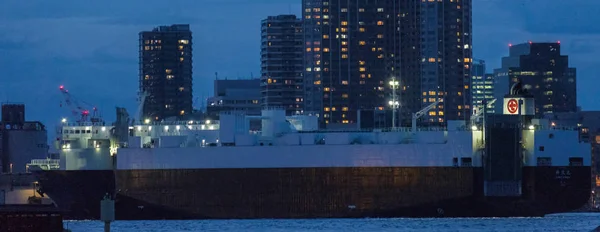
[(559, 222)]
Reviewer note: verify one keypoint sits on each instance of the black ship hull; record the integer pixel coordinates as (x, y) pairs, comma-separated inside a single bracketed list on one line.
[(312, 192)]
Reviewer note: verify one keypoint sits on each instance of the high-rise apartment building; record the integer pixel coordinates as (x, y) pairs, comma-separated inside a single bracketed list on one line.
[(281, 63), (353, 49), (166, 72), (543, 72), (482, 85)]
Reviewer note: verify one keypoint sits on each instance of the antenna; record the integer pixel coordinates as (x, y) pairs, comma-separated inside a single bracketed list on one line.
[(290, 8), (216, 76)]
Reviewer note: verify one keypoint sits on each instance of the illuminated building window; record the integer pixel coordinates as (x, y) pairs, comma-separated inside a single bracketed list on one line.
[(362, 43), (181, 89), (325, 36), (361, 9), (180, 47), (344, 56), (344, 82), (169, 77), (168, 71), (332, 108), (345, 95), (184, 41), (432, 93), (317, 82), (361, 62), (344, 49), (344, 23), (344, 108), (326, 89), (182, 112), (326, 109), (362, 69), (344, 43), (362, 29), (380, 36), (325, 49), (379, 23), (308, 49)]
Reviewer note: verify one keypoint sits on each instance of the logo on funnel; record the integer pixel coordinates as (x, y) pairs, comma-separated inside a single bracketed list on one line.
[(512, 106)]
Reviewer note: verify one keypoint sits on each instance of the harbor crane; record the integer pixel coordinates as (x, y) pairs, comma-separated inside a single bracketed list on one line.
[(139, 112), (422, 112), (480, 110), (80, 109)]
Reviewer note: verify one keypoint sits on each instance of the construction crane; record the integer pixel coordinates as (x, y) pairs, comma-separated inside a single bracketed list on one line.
[(80, 109), (422, 112)]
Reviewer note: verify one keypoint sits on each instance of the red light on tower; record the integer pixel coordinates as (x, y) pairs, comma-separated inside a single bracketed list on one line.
[(61, 87), (558, 42), (530, 42), (510, 45)]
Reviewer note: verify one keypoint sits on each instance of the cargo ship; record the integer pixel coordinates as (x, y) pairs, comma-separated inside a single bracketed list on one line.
[(494, 165)]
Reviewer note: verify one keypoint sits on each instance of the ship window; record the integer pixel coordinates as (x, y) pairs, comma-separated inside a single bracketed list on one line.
[(76, 131), (88, 131), (575, 161), (466, 162), (544, 161), (551, 135), (541, 148)]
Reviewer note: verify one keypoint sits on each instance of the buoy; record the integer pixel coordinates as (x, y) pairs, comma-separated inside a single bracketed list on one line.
[(107, 212)]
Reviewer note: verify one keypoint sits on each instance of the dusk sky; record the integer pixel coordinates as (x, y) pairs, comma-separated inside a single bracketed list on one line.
[(92, 46)]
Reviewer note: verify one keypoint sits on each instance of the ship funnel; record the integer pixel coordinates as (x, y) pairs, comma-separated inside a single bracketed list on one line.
[(518, 101)]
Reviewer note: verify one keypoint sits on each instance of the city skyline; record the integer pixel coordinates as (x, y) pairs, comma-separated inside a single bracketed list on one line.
[(44, 50)]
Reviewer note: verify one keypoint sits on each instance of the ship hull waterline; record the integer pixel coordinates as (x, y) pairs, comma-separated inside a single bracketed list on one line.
[(311, 192)]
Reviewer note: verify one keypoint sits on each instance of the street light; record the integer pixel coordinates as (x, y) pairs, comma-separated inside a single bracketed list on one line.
[(394, 103)]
